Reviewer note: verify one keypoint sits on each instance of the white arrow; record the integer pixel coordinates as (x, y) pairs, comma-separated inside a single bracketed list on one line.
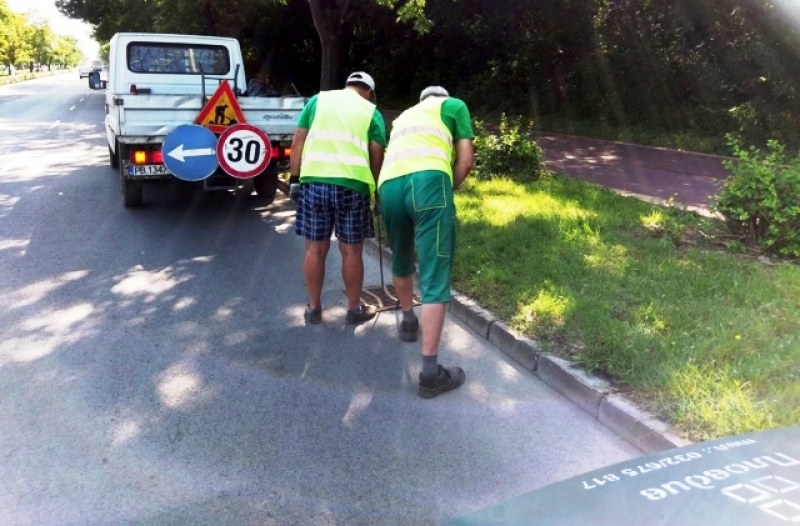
[(180, 154)]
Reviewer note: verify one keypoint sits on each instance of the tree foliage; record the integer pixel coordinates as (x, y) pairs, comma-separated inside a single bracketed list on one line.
[(15, 46), (332, 18), (676, 66), (24, 41)]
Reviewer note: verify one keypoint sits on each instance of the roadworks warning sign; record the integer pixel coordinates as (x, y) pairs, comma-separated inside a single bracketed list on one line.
[(221, 110)]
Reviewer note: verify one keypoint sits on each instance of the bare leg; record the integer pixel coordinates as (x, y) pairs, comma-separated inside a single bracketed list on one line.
[(314, 270), (432, 323), (405, 290), (352, 273)]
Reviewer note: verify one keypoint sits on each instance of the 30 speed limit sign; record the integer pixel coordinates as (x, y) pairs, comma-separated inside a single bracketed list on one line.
[(243, 151)]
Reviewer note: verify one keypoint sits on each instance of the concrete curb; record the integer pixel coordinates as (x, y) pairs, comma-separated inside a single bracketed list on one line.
[(594, 395)]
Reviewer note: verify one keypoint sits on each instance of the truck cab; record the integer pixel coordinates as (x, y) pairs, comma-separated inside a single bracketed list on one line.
[(157, 82)]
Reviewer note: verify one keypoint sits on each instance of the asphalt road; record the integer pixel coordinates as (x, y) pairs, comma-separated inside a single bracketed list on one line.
[(155, 368)]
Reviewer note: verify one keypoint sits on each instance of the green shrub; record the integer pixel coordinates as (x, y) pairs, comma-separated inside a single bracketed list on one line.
[(760, 200), (511, 152)]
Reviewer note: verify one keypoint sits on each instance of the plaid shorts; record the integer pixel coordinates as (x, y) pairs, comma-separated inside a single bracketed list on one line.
[(323, 208)]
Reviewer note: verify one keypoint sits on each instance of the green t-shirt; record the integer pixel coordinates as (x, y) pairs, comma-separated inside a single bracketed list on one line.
[(377, 133), (455, 115)]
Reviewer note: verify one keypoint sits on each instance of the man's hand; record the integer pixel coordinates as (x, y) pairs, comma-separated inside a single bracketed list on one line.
[(376, 206), (294, 188)]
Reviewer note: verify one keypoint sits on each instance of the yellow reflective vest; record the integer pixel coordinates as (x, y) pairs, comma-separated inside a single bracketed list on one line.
[(419, 141), (337, 142)]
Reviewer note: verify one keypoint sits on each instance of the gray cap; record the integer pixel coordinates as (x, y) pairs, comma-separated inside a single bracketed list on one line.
[(361, 77), (433, 91)]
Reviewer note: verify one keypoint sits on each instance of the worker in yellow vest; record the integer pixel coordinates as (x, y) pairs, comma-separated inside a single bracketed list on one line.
[(430, 153), (337, 153)]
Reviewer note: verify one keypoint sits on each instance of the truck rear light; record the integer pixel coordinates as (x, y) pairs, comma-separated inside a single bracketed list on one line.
[(281, 152), (147, 157)]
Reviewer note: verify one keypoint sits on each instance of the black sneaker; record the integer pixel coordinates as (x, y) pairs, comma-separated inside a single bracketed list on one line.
[(313, 316), (409, 330), (445, 380), (361, 314)]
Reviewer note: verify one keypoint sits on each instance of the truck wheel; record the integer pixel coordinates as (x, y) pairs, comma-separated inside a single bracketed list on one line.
[(266, 185), (113, 160), (132, 192)]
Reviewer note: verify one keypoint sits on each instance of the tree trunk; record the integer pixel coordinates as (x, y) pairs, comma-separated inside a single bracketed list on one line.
[(329, 17), (330, 68)]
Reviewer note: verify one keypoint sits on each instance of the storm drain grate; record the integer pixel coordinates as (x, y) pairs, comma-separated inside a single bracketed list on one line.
[(383, 297)]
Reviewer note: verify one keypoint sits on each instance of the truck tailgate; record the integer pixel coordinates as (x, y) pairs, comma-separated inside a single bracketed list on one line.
[(154, 116), (275, 115)]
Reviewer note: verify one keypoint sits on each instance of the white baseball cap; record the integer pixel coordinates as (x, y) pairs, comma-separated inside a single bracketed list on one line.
[(433, 91), (361, 77)]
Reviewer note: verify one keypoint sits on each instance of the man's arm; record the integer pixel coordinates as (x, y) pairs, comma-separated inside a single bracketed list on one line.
[(298, 141), (377, 143), (465, 158), (375, 158)]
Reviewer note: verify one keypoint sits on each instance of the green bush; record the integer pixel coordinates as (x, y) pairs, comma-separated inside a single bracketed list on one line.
[(760, 200), (510, 152)]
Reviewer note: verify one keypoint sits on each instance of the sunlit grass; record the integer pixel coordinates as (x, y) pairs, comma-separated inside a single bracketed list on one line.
[(706, 339)]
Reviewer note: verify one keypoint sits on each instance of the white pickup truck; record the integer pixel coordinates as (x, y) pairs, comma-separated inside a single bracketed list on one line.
[(157, 82)]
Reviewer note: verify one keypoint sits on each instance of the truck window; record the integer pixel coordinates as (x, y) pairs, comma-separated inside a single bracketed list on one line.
[(152, 57)]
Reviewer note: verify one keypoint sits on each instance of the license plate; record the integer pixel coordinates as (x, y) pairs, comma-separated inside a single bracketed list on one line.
[(146, 170)]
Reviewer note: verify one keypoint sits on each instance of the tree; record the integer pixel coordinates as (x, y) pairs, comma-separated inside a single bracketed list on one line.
[(331, 17), (681, 67), (6, 31), (15, 45), (109, 18), (43, 45), (24, 41), (66, 52)]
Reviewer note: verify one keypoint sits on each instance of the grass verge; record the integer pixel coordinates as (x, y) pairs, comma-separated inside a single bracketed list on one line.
[(706, 339), (23, 76)]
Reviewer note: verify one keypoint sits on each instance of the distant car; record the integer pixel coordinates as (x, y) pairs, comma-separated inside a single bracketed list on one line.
[(85, 71)]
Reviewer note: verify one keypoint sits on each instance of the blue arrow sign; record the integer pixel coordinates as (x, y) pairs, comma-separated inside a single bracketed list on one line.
[(190, 152)]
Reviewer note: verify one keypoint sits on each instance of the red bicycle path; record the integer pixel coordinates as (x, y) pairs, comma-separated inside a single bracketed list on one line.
[(653, 174), (656, 174)]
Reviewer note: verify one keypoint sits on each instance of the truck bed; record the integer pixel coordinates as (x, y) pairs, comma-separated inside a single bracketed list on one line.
[(148, 118)]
